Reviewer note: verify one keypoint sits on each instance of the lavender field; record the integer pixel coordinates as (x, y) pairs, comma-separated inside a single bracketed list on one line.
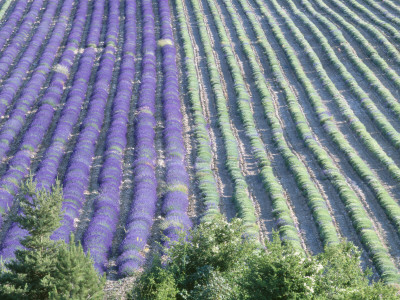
[(158, 115)]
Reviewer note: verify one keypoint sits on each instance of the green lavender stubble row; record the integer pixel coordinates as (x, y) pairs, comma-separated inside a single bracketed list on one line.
[(358, 215)]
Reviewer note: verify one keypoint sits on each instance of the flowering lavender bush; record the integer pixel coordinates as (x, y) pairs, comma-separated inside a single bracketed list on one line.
[(99, 234), (20, 164), (140, 217), (22, 35), (176, 201), (77, 177)]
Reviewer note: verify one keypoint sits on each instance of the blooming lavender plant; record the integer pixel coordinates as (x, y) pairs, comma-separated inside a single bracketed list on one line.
[(99, 234), (12, 20), (140, 217), (176, 198), (31, 91), (20, 164), (21, 37), (78, 173)]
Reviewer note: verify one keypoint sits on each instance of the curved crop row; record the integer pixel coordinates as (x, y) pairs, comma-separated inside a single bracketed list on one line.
[(376, 115), (77, 176), (10, 25), (204, 174), (4, 8), (395, 7), (32, 88), (363, 42), (272, 186), (391, 207), (176, 199), (21, 37), (99, 234), (356, 125), (47, 172), (375, 83), (11, 86), (382, 11), (244, 205), (360, 39), (141, 214), (306, 185), (359, 217), (21, 162), (19, 165), (394, 33)]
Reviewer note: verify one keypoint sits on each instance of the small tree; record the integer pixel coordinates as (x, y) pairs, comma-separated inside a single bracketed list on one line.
[(76, 277), (205, 264), (216, 262), (40, 266)]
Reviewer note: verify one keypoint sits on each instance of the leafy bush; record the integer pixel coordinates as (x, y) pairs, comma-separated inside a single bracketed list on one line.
[(75, 276), (280, 273), (204, 265), (44, 266), (157, 283), (217, 261)]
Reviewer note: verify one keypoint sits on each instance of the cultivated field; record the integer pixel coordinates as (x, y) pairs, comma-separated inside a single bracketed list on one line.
[(157, 115)]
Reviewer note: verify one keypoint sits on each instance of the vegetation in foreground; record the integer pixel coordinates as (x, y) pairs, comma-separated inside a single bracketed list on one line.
[(43, 268), (216, 262)]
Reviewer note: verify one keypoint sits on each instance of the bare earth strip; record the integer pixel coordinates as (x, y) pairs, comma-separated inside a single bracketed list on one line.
[(248, 162), (93, 189), (210, 111), (297, 202), (127, 187), (195, 205), (381, 223)]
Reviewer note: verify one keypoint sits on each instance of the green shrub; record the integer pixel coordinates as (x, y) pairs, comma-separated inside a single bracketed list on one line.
[(280, 273), (204, 265), (75, 276), (157, 283), (45, 266), (216, 261)]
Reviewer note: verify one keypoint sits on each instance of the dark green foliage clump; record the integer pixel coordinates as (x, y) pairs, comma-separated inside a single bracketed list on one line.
[(45, 268), (216, 262), (203, 266), (75, 276)]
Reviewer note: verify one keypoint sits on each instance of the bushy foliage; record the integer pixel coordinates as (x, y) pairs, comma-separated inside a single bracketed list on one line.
[(157, 283), (43, 266), (341, 277), (75, 276), (217, 261), (203, 265), (280, 273)]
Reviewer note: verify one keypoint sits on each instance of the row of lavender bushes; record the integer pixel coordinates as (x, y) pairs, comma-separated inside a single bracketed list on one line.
[(47, 172), (101, 229), (99, 234), (141, 213)]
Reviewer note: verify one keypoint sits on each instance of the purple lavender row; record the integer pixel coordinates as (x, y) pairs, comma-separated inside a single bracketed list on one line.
[(47, 172), (176, 201), (77, 177), (12, 50), (11, 86), (10, 181), (15, 81), (99, 234), (21, 162), (9, 27), (30, 93), (141, 214)]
